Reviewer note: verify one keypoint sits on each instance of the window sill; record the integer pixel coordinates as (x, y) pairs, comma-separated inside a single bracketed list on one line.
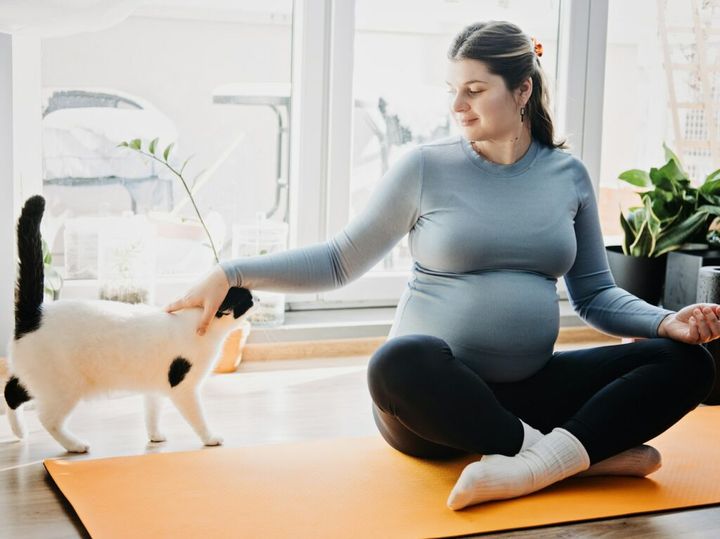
[(327, 324)]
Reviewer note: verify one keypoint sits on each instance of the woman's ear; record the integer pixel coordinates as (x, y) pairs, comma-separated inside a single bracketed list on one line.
[(524, 92)]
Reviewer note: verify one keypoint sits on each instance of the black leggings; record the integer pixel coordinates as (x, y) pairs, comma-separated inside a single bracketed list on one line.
[(429, 404)]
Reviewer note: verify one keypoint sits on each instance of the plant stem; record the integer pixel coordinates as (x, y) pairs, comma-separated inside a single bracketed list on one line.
[(192, 200)]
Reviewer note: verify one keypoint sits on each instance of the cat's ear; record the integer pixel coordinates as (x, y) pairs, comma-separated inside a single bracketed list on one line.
[(245, 302), (237, 301)]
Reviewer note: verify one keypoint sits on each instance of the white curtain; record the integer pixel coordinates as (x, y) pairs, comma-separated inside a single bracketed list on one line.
[(56, 18)]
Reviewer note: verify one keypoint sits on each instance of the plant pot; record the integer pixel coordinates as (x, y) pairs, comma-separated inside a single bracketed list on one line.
[(232, 349), (681, 275), (641, 276)]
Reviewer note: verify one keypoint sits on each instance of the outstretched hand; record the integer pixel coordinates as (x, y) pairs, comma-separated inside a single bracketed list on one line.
[(694, 324), (208, 294)]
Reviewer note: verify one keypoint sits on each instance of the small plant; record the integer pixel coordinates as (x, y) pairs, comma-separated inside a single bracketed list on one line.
[(151, 152), (672, 212), (53, 280)]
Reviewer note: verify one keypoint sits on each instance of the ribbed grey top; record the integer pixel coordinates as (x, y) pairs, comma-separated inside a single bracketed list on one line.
[(488, 242)]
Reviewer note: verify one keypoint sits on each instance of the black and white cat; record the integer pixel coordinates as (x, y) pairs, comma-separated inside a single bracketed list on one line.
[(64, 351)]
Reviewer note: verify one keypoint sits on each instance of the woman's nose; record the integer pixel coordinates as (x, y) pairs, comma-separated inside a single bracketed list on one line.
[(457, 102)]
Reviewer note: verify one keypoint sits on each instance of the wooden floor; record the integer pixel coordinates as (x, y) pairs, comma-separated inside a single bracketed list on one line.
[(265, 402)]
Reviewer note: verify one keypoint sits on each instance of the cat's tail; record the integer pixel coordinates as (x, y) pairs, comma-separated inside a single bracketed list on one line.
[(31, 276)]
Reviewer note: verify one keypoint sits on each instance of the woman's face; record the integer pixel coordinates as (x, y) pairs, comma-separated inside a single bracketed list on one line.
[(480, 102)]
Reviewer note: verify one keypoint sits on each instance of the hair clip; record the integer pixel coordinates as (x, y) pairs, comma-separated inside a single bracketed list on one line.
[(537, 46)]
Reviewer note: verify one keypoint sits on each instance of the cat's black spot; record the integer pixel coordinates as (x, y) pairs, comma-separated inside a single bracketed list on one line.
[(15, 393), (237, 302), (178, 369)]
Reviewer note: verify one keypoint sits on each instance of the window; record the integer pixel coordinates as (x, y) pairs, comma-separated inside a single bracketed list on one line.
[(211, 77), (661, 85)]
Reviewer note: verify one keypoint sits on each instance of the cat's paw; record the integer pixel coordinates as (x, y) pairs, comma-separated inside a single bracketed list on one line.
[(213, 440), (77, 447), (157, 438)]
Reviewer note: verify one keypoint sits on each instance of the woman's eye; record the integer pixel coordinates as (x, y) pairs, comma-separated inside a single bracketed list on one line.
[(474, 92)]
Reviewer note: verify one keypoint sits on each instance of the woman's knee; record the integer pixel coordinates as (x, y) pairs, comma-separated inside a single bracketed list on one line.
[(696, 364), (703, 365), (401, 359)]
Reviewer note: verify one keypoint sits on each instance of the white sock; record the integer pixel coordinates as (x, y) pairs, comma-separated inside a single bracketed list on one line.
[(496, 477), (531, 435), (638, 461)]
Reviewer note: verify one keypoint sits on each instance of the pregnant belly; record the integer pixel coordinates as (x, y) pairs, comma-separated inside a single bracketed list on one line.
[(503, 324)]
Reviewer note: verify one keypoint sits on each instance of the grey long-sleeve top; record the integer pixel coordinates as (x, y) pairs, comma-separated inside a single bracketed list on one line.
[(488, 242)]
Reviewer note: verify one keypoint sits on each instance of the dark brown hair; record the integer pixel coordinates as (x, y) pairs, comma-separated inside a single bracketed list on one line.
[(510, 53)]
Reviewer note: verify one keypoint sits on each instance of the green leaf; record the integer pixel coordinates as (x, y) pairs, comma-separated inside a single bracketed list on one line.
[(671, 156), (659, 179), (711, 210), (166, 153), (676, 236), (629, 237), (672, 171), (643, 244), (136, 144), (713, 177), (652, 220), (47, 255), (152, 146), (123, 144), (183, 165), (636, 177), (637, 219)]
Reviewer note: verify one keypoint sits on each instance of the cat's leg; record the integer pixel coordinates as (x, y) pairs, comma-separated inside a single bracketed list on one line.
[(15, 417), (153, 406), (53, 413), (187, 401)]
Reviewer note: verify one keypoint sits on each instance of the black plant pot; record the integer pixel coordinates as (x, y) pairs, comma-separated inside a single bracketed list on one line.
[(681, 275), (641, 276)]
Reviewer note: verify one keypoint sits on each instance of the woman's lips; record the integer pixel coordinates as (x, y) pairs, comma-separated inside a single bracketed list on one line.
[(467, 122)]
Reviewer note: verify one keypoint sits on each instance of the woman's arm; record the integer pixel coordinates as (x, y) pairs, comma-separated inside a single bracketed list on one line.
[(390, 213), (591, 287)]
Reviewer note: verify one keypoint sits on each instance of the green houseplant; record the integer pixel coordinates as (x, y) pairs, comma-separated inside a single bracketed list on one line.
[(151, 152), (231, 353), (53, 279), (672, 213)]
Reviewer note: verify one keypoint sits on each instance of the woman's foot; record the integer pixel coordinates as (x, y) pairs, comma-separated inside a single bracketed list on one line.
[(495, 477), (638, 461)]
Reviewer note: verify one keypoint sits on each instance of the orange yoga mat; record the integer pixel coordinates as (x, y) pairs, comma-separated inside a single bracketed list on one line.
[(360, 487)]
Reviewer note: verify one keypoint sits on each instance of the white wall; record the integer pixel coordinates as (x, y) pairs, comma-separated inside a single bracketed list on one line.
[(20, 173)]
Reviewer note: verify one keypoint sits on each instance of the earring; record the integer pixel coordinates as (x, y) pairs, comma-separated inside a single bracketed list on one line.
[(522, 114)]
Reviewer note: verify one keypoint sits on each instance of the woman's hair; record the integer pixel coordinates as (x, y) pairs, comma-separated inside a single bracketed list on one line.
[(508, 52)]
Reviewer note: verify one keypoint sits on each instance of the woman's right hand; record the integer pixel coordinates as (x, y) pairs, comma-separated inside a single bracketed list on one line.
[(207, 294)]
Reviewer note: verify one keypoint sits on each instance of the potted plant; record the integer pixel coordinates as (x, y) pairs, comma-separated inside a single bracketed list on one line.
[(673, 213), (231, 353), (53, 280)]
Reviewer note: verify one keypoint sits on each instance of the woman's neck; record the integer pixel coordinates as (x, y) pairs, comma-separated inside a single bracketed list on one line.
[(504, 152)]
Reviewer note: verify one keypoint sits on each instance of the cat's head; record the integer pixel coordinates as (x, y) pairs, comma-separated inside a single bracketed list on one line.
[(237, 302)]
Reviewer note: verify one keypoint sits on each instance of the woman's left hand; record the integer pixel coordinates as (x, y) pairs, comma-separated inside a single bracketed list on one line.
[(694, 324)]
